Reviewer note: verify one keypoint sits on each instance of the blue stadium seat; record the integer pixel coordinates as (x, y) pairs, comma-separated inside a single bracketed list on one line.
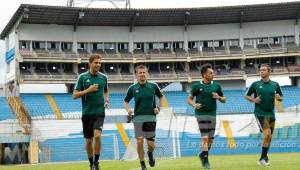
[(37, 104), (5, 111)]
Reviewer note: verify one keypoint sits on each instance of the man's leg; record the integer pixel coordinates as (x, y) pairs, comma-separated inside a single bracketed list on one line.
[(204, 145), (151, 147), (266, 142), (140, 150), (89, 150), (97, 131), (97, 144), (88, 135), (207, 126), (267, 125), (210, 142)]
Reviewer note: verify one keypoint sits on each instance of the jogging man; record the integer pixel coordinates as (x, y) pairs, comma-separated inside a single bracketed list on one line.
[(145, 111), (91, 87), (264, 92), (206, 93)]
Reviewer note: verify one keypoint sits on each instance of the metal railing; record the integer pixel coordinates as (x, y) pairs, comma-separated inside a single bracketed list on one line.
[(209, 52)]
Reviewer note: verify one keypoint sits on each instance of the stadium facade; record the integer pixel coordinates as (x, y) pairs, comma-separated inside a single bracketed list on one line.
[(46, 44), (50, 45)]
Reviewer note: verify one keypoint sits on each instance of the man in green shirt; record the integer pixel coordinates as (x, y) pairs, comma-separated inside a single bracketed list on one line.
[(206, 92), (145, 111), (265, 93), (91, 87)]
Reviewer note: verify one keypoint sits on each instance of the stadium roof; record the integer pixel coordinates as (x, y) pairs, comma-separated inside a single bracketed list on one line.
[(41, 14)]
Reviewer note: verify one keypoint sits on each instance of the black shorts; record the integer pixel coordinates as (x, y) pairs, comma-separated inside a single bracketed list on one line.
[(91, 122), (207, 125), (265, 123)]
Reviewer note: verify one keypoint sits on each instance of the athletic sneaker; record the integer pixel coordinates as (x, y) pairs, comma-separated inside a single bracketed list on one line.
[(206, 164), (91, 167), (151, 159), (264, 161), (96, 166), (204, 161), (144, 168), (201, 159)]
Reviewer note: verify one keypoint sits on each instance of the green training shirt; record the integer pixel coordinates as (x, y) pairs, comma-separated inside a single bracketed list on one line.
[(267, 91), (144, 97), (203, 93), (92, 103)]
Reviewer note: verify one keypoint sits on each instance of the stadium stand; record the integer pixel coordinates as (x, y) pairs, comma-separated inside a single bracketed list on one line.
[(5, 111), (38, 106)]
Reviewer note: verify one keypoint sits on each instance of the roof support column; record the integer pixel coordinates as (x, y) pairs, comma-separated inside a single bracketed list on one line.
[(116, 47), (130, 44), (298, 60), (75, 68), (146, 47), (199, 46), (131, 26), (185, 35), (17, 71), (17, 40), (296, 32), (187, 67), (16, 46), (74, 43), (131, 68), (185, 41), (241, 37), (59, 46), (6, 43), (242, 64), (30, 46), (88, 48)]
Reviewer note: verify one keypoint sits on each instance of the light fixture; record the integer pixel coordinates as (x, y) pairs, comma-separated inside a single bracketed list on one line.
[(26, 16), (81, 15), (111, 67)]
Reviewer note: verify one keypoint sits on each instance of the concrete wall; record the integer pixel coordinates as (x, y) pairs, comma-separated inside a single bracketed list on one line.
[(156, 33), (213, 32), (49, 32), (102, 34), (10, 68), (268, 28)]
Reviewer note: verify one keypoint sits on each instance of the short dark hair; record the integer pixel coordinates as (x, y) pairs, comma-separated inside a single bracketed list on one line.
[(205, 67), (266, 65), (140, 67), (93, 57)]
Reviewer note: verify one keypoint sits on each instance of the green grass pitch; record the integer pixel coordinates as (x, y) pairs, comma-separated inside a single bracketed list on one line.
[(279, 161)]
